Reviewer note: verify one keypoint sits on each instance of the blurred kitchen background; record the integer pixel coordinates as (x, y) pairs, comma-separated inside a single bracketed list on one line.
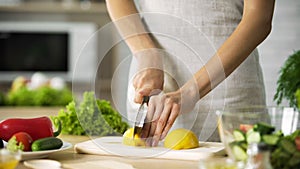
[(65, 26)]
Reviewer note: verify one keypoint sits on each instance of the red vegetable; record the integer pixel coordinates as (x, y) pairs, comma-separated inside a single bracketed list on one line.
[(297, 142), (245, 127), (37, 128), (21, 140)]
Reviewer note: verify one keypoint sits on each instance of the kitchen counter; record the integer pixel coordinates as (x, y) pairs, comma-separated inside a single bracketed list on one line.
[(70, 157)]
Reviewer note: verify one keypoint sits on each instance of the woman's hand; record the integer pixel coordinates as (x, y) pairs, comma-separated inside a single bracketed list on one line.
[(149, 79), (163, 109), (148, 82)]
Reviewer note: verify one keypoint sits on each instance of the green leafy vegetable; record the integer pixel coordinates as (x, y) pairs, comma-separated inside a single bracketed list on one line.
[(92, 117), (70, 123), (298, 98), (14, 145), (289, 80), (285, 150), (21, 97), (43, 96)]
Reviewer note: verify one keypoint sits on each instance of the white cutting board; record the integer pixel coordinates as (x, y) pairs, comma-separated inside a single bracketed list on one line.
[(113, 146)]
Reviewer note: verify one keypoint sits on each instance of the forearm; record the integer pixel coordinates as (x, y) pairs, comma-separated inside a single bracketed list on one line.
[(125, 16), (252, 30)]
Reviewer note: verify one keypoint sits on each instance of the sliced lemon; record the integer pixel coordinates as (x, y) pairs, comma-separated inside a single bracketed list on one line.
[(129, 140), (181, 139)]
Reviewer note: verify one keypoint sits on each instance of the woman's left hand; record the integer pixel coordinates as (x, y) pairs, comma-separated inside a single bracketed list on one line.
[(163, 109)]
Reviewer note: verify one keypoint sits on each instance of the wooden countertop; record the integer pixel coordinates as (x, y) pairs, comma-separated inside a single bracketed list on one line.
[(55, 7), (69, 156)]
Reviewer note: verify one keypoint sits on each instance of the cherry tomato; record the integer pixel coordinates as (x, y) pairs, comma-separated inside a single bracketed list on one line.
[(245, 127), (25, 139)]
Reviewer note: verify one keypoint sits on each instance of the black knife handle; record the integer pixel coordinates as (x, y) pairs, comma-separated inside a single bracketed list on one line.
[(146, 99)]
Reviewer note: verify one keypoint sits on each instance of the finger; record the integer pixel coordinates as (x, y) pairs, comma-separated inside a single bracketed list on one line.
[(161, 123), (157, 113), (147, 121), (173, 115), (140, 93)]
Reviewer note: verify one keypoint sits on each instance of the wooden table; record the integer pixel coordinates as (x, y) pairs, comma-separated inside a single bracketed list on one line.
[(70, 156)]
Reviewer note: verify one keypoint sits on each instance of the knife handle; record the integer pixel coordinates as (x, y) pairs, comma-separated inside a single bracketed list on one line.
[(146, 99)]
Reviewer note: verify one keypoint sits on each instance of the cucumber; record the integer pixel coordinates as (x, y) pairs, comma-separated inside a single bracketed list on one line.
[(263, 128), (48, 143), (238, 135), (271, 139), (253, 137), (239, 153)]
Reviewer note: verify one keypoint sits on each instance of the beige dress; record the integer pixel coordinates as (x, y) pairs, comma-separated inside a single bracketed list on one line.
[(190, 32)]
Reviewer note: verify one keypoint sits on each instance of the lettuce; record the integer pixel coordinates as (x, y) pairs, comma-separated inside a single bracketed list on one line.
[(91, 117)]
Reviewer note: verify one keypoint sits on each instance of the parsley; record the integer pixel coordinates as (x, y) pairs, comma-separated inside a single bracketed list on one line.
[(289, 80)]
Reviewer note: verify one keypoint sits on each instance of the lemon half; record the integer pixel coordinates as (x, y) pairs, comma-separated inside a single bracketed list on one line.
[(129, 140), (181, 139)]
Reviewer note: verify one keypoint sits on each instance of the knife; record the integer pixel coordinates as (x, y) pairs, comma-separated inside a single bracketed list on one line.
[(140, 117)]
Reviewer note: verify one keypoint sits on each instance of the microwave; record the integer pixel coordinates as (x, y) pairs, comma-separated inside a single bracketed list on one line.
[(52, 48)]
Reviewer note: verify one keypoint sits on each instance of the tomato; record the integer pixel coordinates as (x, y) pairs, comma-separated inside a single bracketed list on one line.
[(297, 142), (245, 127), (25, 139)]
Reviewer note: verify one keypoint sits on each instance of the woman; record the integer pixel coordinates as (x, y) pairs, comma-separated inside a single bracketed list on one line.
[(234, 28)]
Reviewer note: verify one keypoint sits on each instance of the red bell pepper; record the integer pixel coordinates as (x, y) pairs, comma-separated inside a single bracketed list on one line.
[(37, 128)]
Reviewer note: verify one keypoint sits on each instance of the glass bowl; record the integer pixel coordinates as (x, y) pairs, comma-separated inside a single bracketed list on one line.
[(9, 159), (220, 163), (236, 126)]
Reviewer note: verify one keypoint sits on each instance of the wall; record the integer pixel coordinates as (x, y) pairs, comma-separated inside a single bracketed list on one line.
[(282, 42)]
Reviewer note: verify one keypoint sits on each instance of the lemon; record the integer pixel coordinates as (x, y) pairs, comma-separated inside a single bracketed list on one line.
[(129, 140), (181, 139)]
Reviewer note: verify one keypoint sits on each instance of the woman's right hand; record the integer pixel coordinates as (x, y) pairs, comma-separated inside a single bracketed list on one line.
[(148, 82), (149, 77)]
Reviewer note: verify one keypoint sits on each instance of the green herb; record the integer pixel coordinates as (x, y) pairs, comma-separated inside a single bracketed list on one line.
[(285, 151), (298, 98), (43, 96), (91, 117), (289, 80)]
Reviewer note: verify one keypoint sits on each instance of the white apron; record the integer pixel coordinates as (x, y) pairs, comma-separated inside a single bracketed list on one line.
[(191, 32)]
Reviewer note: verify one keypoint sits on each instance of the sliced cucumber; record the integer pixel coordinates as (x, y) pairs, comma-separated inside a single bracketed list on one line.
[(238, 135), (270, 139), (263, 128), (239, 153), (253, 137), (279, 133)]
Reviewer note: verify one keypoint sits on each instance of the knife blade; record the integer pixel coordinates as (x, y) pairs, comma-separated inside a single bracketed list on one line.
[(140, 117)]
